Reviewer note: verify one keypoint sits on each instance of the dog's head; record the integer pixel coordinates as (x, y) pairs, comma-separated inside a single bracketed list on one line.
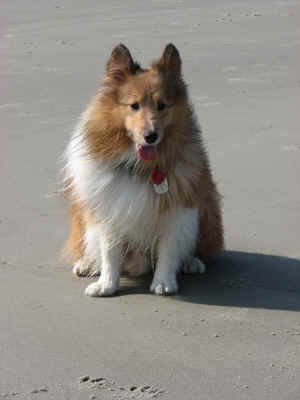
[(148, 100)]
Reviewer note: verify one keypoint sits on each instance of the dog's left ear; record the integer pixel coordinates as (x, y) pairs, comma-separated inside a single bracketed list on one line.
[(120, 64), (170, 60)]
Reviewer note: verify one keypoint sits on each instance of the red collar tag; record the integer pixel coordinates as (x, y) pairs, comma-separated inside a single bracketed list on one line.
[(159, 181)]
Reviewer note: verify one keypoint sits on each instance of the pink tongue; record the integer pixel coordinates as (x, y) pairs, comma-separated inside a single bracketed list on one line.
[(147, 153)]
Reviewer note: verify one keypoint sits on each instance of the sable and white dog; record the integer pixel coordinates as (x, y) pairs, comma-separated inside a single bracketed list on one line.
[(138, 180)]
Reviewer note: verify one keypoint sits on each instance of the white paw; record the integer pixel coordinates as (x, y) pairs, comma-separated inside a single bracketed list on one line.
[(85, 268), (164, 286), (100, 288), (193, 266)]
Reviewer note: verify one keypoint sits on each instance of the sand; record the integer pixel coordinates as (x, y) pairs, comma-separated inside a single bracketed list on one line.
[(233, 333)]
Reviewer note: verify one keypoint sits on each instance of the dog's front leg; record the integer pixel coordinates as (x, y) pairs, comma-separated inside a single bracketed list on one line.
[(108, 283), (178, 236)]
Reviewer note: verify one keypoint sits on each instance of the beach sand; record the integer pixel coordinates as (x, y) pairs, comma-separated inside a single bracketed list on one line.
[(233, 333)]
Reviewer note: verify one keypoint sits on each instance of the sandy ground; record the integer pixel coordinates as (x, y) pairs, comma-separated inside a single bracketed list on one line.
[(231, 334)]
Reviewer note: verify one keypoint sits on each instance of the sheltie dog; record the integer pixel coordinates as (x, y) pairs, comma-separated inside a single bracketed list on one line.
[(138, 181)]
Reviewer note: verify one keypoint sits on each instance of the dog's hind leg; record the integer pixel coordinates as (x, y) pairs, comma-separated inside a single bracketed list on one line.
[(90, 263), (74, 249), (193, 266), (83, 246), (211, 240)]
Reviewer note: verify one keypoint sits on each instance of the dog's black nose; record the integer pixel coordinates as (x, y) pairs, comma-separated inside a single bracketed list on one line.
[(151, 137)]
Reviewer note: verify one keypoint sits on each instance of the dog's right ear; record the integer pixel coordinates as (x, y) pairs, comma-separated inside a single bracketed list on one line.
[(120, 64)]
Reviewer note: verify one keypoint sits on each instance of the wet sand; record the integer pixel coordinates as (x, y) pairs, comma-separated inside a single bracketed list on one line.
[(233, 333)]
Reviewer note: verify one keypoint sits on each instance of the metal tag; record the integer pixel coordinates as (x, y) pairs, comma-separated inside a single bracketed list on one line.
[(162, 188)]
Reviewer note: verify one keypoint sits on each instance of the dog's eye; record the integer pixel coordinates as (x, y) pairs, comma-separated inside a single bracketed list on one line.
[(161, 106), (135, 106)]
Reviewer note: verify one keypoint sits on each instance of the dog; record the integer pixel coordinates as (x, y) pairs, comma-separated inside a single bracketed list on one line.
[(138, 181)]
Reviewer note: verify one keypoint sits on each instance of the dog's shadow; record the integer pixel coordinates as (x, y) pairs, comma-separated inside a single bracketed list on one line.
[(238, 279)]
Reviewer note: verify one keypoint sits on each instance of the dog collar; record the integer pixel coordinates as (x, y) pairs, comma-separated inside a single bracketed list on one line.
[(157, 178)]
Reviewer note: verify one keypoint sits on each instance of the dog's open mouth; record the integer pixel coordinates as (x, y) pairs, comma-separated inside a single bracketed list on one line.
[(147, 153)]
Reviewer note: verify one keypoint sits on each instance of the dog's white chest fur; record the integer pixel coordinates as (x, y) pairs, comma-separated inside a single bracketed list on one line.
[(126, 204), (128, 207)]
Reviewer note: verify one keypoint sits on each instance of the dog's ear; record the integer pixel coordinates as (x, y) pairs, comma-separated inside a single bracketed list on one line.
[(120, 64), (170, 60)]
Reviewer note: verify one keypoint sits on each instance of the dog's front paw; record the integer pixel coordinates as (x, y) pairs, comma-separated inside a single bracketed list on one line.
[(100, 289), (164, 286), (193, 266), (85, 268)]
